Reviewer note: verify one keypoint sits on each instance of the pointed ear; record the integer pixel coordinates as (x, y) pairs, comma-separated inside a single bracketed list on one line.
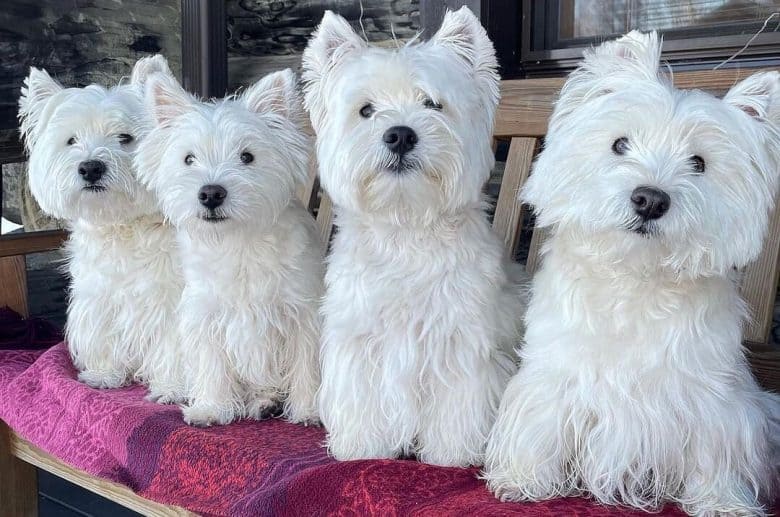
[(636, 54), (148, 66), (166, 99), (333, 40), (758, 96), (462, 33), (275, 93), (38, 88)]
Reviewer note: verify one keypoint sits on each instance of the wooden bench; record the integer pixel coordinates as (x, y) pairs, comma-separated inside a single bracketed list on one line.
[(522, 122)]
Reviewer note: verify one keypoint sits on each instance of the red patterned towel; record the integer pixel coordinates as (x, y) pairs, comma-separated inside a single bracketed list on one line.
[(247, 468)]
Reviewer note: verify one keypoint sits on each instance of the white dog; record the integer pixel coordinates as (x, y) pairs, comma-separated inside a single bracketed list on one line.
[(633, 385), (420, 318), (225, 173), (124, 285)]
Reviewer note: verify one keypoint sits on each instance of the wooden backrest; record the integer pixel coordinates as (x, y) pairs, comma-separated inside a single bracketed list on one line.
[(526, 106)]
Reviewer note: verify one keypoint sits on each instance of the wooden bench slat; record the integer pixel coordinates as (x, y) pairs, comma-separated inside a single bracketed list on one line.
[(31, 242), (13, 285), (509, 211), (325, 220), (26, 451), (18, 480), (526, 104), (759, 284)]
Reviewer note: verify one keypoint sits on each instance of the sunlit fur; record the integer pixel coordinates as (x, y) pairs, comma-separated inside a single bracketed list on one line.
[(420, 318), (124, 283), (633, 385), (249, 320)]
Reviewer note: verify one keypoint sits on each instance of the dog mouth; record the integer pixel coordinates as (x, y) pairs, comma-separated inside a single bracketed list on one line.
[(213, 217), (95, 188), (646, 229), (401, 165)]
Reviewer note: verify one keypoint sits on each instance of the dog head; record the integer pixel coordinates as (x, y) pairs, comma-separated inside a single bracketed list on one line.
[(80, 143), (679, 177), (403, 133), (227, 164)]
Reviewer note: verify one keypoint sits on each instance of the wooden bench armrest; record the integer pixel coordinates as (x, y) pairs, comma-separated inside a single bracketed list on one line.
[(33, 242)]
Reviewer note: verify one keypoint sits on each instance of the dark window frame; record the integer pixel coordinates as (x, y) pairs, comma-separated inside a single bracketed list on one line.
[(519, 59)]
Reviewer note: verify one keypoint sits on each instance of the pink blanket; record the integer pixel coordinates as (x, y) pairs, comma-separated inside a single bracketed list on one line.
[(247, 468)]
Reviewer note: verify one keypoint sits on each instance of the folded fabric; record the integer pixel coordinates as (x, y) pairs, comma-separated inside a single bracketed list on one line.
[(28, 334), (247, 468)]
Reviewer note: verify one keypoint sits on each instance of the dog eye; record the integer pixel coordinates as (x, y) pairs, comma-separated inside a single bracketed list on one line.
[(366, 111), (428, 103), (71, 140), (125, 138), (698, 164), (247, 157), (189, 159), (620, 146)]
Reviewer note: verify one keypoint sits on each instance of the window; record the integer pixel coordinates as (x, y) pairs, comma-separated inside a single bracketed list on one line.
[(698, 34)]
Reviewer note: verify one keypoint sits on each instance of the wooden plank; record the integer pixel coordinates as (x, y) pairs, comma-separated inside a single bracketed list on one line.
[(325, 220), (509, 211), (759, 284), (13, 285), (765, 362), (31, 242), (526, 104), (307, 192), (535, 250), (28, 452), (18, 480)]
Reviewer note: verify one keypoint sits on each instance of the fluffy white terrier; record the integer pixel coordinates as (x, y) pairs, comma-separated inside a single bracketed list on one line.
[(633, 385), (225, 174), (124, 285), (420, 318)]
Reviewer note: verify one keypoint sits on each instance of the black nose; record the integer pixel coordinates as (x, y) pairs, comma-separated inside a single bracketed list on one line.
[(92, 170), (211, 196), (400, 139), (649, 202)]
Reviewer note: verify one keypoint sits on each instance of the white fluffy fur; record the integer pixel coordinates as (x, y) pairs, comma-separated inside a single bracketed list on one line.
[(633, 385), (249, 319), (419, 314), (124, 284)]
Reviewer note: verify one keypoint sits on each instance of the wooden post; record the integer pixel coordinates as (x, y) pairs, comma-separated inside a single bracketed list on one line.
[(204, 47), (18, 481)]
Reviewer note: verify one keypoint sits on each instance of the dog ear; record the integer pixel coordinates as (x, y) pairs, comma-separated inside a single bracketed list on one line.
[(38, 88), (462, 33), (275, 93), (611, 66), (148, 66), (636, 54), (166, 99), (331, 42), (758, 96)]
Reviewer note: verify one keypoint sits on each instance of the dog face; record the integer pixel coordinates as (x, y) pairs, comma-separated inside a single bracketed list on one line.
[(403, 132), (679, 177), (81, 141), (225, 164)]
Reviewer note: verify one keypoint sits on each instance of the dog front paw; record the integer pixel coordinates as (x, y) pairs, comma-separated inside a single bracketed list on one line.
[(204, 415), (165, 396), (104, 379)]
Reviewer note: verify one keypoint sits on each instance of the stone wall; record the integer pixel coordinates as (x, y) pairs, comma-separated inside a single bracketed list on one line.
[(269, 35)]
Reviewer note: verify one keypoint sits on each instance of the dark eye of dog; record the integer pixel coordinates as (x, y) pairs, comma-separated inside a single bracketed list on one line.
[(247, 157), (620, 146), (366, 111), (698, 164), (428, 103), (125, 138), (71, 140), (189, 159)]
